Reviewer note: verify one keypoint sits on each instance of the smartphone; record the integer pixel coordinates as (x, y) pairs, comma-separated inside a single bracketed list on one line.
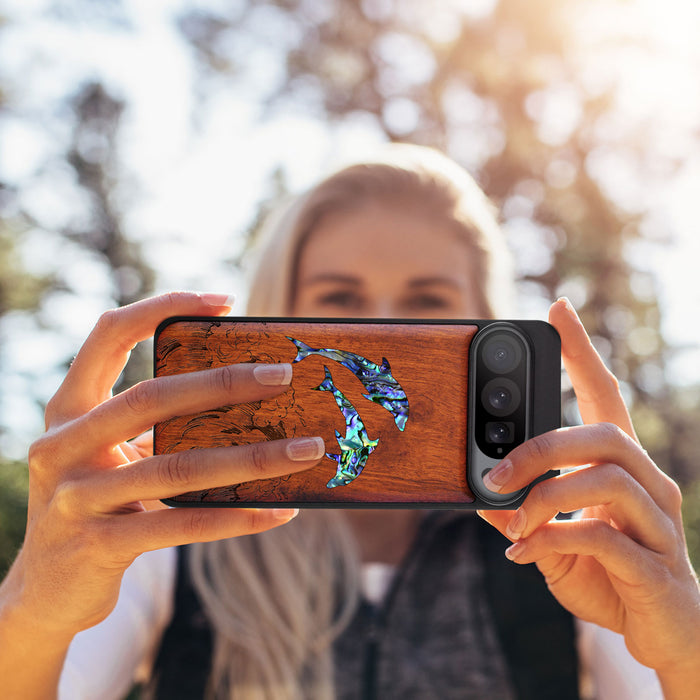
[(414, 413)]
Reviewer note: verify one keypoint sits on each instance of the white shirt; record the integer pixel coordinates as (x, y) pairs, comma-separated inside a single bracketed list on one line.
[(104, 661)]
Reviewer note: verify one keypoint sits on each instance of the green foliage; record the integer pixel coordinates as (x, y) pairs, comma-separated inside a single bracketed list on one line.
[(18, 289), (691, 521), (14, 484)]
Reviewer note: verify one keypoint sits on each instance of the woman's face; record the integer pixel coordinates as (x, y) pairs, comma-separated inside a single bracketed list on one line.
[(385, 261)]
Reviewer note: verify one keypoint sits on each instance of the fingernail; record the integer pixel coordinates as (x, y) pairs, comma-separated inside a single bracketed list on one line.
[(569, 306), (303, 449), (517, 525), (498, 477), (285, 514), (273, 375), (218, 299), (515, 550)]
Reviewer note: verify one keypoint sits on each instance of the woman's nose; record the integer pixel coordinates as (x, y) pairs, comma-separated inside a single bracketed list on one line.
[(383, 308)]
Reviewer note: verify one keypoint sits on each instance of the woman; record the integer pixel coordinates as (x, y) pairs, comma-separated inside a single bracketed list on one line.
[(412, 236)]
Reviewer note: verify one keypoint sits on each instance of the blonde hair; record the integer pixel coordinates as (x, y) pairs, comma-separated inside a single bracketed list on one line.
[(277, 600)]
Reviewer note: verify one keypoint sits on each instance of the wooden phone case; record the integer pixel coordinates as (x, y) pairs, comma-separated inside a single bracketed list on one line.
[(393, 394)]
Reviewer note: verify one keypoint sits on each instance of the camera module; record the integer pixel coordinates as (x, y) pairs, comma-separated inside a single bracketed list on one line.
[(514, 368), (501, 395)]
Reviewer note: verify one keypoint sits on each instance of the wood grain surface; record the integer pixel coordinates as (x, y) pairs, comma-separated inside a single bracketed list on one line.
[(424, 464)]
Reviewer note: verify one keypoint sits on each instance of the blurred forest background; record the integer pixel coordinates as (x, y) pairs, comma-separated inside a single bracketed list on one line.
[(580, 119)]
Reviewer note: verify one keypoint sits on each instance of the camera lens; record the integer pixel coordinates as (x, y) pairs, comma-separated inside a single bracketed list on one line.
[(502, 353), (499, 432), (500, 396)]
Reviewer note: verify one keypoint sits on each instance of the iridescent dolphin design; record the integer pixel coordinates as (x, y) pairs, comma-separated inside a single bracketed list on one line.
[(356, 446), (381, 386)]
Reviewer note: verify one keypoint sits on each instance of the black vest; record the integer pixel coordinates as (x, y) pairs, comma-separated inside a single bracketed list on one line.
[(415, 645)]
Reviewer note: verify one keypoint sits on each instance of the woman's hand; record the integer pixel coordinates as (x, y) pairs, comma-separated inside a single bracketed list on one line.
[(89, 514), (623, 564)]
